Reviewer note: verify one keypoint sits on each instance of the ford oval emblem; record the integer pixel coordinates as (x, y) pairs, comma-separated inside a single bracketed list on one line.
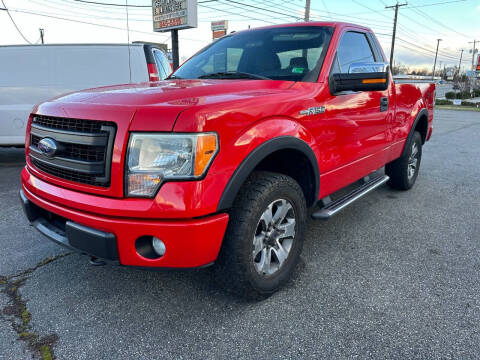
[(47, 147)]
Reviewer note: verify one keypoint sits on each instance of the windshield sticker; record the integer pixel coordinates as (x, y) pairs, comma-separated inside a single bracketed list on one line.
[(297, 70)]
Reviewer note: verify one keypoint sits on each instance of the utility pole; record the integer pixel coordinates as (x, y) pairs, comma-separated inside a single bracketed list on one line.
[(474, 42), (396, 6), (175, 55), (435, 63), (307, 10), (42, 32), (472, 78), (460, 63)]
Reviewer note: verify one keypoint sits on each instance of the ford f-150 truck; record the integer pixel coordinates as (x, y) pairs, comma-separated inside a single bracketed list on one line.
[(221, 163)]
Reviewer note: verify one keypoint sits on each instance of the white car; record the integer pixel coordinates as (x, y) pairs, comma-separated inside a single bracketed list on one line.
[(31, 74)]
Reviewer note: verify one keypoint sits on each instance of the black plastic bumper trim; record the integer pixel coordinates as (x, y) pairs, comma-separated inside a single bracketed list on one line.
[(74, 236)]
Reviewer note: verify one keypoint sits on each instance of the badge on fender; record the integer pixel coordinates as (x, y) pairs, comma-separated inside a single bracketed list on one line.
[(313, 111)]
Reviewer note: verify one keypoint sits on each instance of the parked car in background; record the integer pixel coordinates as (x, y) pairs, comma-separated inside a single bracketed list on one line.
[(30, 74)]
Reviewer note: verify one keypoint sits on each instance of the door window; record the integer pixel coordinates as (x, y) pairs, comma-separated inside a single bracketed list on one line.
[(353, 47), (159, 59)]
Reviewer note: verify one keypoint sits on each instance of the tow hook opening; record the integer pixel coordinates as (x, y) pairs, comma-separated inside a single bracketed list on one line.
[(96, 261)]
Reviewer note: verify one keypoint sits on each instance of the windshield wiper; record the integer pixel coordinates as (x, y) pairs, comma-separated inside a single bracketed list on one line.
[(173, 77), (233, 75)]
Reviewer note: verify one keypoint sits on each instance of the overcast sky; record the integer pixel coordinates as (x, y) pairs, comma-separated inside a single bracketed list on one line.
[(420, 23)]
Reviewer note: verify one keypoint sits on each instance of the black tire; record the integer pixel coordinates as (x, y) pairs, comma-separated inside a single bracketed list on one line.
[(236, 267), (398, 170)]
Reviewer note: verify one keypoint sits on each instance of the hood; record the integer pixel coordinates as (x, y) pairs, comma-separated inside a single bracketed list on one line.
[(168, 92), (157, 105)]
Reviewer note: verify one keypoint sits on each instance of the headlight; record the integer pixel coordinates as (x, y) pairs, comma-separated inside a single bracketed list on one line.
[(155, 158)]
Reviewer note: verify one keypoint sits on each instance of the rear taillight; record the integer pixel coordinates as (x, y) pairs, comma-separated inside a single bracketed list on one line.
[(153, 72)]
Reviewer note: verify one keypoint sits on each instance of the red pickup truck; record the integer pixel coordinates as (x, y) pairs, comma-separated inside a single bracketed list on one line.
[(221, 163)]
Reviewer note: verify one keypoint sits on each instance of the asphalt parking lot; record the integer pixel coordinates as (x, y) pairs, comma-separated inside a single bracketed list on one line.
[(395, 275)]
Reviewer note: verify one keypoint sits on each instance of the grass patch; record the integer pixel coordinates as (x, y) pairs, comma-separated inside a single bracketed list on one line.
[(17, 314), (45, 352), (458, 107)]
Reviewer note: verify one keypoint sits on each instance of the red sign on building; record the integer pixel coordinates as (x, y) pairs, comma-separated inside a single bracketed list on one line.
[(219, 28)]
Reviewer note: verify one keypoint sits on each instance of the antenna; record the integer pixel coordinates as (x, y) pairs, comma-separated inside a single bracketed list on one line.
[(128, 44)]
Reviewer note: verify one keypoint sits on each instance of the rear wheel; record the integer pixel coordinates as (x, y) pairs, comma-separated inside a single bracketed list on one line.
[(403, 172), (264, 237)]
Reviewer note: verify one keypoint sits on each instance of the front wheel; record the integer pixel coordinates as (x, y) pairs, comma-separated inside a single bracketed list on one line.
[(404, 171), (264, 237)]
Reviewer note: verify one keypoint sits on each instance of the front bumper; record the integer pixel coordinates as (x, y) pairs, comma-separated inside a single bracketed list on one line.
[(189, 243)]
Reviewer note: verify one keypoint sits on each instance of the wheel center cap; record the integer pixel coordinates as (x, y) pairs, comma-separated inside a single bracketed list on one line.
[(271, 237)]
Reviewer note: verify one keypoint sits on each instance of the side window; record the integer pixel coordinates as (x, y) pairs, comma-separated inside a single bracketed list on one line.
[(353, 47), (162, 72), (166, 65)]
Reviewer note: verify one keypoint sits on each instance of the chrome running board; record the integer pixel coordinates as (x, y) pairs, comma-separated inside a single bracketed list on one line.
[(330, 208)]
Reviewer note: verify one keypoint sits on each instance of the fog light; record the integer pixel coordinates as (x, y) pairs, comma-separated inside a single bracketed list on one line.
[(158, 246)]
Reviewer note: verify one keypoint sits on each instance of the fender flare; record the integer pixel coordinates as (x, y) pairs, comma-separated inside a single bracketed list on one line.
[(421, 113), (256, 156)]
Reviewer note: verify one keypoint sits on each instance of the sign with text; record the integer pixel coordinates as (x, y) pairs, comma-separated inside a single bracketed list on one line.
[(219, 25), (219, 28), (174, 14)]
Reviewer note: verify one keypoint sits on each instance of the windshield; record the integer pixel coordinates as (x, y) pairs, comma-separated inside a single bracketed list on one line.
[(283, 53)]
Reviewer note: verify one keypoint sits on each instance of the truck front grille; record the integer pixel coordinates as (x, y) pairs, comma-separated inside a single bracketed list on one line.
[(88, 126), (70, 175), (83, 149)]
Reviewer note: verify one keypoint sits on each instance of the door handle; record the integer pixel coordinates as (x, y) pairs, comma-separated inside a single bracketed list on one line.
[(384, 104)]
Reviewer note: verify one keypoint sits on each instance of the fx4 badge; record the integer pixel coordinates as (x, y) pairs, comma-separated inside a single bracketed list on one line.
[(313, 111)]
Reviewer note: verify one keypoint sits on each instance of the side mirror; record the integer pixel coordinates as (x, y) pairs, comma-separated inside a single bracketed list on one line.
[(361, 77)]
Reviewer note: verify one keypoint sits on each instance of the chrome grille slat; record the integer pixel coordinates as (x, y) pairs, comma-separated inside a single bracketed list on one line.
[(84, 149), (76, 137)]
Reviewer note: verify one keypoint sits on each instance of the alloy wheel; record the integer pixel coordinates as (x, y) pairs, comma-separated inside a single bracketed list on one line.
[(274, 237), (413, 161)]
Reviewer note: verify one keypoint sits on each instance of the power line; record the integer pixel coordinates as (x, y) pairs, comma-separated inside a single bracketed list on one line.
[(83, 14), (400, 26), (66, 12), (326, 9), (437, 3), (414, 7), (232, 13), (421, 50), (146, 16), (112, 4), (427, 50), (369, 8), (14, 24), (426, 55), (85, 22), (425, 15), (263, 9)]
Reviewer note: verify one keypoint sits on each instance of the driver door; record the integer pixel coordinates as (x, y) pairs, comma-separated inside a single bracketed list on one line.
[(357, 120)]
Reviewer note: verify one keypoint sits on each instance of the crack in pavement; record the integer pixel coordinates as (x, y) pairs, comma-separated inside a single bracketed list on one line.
[(17, 314)]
